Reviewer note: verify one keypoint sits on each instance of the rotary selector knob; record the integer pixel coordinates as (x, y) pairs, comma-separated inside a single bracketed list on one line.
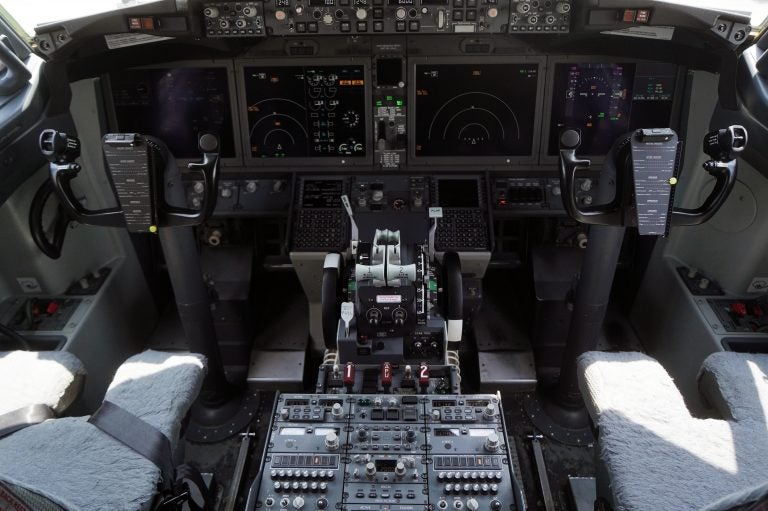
[(370, 469), (361, 14), (400, 13), (298, 503), (400, 469), (490, 411), (492, 442), (331, 441), (472, 505), (337, 410)]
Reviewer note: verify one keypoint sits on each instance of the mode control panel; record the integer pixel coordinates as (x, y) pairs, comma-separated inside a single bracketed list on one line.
[(406, 454), (289, 17), (233, 19), (540, 16)]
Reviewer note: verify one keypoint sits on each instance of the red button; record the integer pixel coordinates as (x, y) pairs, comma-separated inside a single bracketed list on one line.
[(52, 308), (739, 308)]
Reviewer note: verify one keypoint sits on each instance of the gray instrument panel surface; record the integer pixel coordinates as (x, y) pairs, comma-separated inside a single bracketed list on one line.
[(394, 452)]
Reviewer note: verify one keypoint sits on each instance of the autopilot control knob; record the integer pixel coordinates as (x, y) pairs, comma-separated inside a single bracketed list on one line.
[(492, 442), (331, 441), (298, 503), (490, 411), (472, 505), (370, 469), (400, 469), (337, 410), (322, 503), (361, 14)]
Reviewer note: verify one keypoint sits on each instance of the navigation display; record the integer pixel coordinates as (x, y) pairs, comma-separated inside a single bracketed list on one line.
[(174, 105), (607, 100), (306, 111), (475, 109)]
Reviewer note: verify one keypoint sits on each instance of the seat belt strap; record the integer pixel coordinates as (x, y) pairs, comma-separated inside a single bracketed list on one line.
[(136, 434), (15, 420)]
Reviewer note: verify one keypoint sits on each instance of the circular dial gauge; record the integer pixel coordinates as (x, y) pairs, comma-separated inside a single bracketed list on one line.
[(350, 118)]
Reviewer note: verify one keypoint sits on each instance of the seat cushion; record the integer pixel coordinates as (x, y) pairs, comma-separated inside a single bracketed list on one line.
[(631, 384), (657, 456), (51, 378), (736, 385), (74, 464)]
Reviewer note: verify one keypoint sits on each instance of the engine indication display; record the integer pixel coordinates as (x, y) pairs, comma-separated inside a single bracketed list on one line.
[(306, 111), (174, 105), (608, 100), (475, 109)]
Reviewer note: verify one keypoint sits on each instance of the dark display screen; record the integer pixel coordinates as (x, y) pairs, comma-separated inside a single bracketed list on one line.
[(296, 112), (322, 193), (174, 105), (475, 109), (605, 101), (458, 193)]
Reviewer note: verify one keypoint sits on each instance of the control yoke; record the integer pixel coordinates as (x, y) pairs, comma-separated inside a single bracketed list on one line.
[(137, 167), (644, 167)]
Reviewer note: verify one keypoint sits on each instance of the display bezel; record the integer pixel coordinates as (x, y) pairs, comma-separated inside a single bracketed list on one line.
[(235, 161), (677, 95), (492, 162), (331, 161)]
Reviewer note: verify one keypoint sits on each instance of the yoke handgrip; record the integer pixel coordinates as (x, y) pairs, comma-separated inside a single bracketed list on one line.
[(601, 214)]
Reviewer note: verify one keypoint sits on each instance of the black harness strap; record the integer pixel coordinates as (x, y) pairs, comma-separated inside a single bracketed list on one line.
[(27, 416), (153, 445), (136, 434)]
